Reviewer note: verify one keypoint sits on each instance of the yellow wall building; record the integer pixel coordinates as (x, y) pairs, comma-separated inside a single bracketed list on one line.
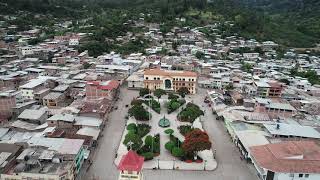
[(170, 80)]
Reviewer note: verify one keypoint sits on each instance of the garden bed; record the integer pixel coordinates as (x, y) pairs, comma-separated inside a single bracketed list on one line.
[(138, 111), (190, 113), (148, 148), (155, 105), (174, 147), (174, 104)]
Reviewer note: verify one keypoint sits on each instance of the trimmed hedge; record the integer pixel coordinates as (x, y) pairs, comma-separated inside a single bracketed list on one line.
[(169, 145), (177, 152), (169, 131), (147, 156)]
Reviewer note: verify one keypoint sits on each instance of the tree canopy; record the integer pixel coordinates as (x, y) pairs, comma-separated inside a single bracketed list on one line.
[(196, 141), (159, 92), (143, 92), (183, 91), (190, 113), (139, 113)]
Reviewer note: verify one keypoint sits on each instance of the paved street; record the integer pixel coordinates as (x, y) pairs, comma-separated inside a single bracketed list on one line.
[(230, 167)]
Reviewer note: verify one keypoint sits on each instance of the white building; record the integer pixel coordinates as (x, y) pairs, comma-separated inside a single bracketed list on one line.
[(135, 81), (26, 50), (33, 86), (74, 42), (251, 56), (114, 69)]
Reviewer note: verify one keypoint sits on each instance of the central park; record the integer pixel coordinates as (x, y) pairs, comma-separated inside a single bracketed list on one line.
[(167, 130)]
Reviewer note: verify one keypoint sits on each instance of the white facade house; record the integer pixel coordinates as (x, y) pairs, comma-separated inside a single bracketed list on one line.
[(74, 42), (28, 89), (251, 56), (135, 81), (26, 50)]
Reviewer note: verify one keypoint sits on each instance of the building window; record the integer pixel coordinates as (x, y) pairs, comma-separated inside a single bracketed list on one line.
[(306, 175), (155, 78), (300, 175), (147, 78), (158, 78), (291, 175)]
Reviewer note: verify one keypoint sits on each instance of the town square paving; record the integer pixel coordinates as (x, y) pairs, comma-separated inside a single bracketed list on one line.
[(230, 166)]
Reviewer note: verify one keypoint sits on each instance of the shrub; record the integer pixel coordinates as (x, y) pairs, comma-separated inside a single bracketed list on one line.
[(132, 131), (175, 140), (184, 129), (135, 139), (174, 104), (147, 156), (143, 129), (155, 105), (169, 145), (172, 96), (136, 102), (139, 113), (158, 110), (149, 141), (177, 152), (183, 91), (190, 113), (156, 145), (132, 126), (144, 149), (169, 131), (159, 92), (144, 91)]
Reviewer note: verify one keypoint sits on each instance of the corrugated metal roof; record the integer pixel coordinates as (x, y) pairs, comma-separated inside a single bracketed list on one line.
[(292, 130)]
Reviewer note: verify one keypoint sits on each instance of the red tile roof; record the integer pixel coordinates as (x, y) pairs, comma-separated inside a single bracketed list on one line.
[(131, 162), (161, 72), (288, 157), (108, 85)]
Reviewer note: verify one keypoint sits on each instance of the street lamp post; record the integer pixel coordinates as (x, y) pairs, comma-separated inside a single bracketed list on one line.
[(205, 164), (158, 163), (174, 163)]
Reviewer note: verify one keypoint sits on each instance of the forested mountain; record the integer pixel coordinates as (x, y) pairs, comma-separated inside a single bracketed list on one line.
[(293, 23)]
